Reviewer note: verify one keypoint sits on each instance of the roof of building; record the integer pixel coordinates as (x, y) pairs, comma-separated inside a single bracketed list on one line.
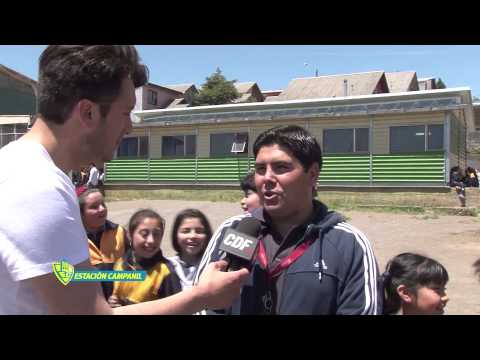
[(178, 103), (402, 81), (245, 87), (332, 86), (271, 92), (183, 88), (164, 88), (17, 75)]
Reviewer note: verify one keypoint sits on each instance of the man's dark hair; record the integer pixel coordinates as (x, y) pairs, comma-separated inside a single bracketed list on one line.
[(413, 271), (248, 183), (296, 139), (70, 73), (187, 214)]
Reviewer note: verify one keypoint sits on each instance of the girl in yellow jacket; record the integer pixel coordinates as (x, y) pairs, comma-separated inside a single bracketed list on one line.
[(145, 231)]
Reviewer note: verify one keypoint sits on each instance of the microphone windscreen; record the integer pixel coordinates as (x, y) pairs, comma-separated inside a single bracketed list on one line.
[(249, 226)]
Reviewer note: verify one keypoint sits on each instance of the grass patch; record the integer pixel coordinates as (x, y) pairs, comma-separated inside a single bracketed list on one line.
[(390, 202), (164, 194)]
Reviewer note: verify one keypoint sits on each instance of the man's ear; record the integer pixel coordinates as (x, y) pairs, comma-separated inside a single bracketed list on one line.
[(88, 113), (405, 294), (313, 173)]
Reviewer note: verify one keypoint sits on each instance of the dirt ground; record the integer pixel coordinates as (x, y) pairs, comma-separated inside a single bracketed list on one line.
[(452, 240)]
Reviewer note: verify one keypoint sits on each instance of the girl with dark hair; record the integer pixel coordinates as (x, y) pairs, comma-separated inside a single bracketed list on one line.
[(145, 232), (414, 285), (190, 235)]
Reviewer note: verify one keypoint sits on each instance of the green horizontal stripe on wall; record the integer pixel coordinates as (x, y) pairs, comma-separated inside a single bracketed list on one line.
[(416, 168)]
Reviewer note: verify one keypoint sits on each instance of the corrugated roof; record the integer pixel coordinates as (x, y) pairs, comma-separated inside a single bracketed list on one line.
[(331, 86), (402, 81), (180, 87)]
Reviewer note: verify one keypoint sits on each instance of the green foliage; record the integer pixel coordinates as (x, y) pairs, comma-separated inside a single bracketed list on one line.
[(217, 90), (440, 84)]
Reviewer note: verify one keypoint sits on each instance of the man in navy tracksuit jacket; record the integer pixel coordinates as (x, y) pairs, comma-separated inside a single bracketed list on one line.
[(310, 260)]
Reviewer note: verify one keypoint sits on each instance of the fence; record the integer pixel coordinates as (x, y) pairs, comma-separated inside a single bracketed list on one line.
[(337, 169)]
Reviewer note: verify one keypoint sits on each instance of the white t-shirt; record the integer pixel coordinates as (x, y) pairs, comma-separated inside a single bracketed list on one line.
[(40, 223), (93, 178)]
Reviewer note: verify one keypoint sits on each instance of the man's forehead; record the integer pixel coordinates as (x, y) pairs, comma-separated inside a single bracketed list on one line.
[(275, 152)]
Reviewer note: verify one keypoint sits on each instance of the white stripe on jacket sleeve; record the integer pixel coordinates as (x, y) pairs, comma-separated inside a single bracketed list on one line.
[(370, 268), (212, 244)]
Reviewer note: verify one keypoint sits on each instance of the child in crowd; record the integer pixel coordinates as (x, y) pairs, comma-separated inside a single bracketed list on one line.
[(145, 231), (456, 180), (251, 200), (471, 177), (190, 235), (414, 285), (106, 240)]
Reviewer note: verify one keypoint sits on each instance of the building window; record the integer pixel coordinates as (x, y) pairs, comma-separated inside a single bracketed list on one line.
[(435, 137), (11, 132), (346, 140), (228, 144), (180, 145), (133, 147), (152, 97), (418, 138)]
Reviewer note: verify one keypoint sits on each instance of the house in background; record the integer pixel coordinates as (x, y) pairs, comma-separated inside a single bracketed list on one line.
[(153, 96), (334, 86), (187, 90), (271, 95), (473, 140), (375, 129), (17, 104), (427, 84), (402, 81), (249, 92)]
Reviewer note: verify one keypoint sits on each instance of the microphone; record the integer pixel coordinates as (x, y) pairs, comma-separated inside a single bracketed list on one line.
[(240, 244)]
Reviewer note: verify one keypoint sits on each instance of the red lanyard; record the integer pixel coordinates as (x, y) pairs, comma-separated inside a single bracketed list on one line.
[(286, 262)]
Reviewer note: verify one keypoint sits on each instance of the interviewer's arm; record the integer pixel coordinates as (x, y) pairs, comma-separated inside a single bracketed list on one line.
[(216, 289)]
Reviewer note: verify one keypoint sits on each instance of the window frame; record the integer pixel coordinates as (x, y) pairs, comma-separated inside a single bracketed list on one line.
[(235, 141), (425, 138), (354, 145), (137, 156), (15, 134), (185, 155), (152, 97)]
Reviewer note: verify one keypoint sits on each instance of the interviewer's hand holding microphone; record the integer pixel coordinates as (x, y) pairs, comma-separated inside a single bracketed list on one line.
[(240, 247)]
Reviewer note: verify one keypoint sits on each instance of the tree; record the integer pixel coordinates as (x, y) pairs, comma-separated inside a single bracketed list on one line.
[(217, 90), (476, 99), (440, 84)]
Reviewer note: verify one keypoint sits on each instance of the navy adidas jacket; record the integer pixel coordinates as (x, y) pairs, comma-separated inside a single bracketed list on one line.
[(338, 273)]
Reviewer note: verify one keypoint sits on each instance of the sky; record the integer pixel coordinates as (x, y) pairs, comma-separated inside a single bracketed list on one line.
[(273, 66)]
